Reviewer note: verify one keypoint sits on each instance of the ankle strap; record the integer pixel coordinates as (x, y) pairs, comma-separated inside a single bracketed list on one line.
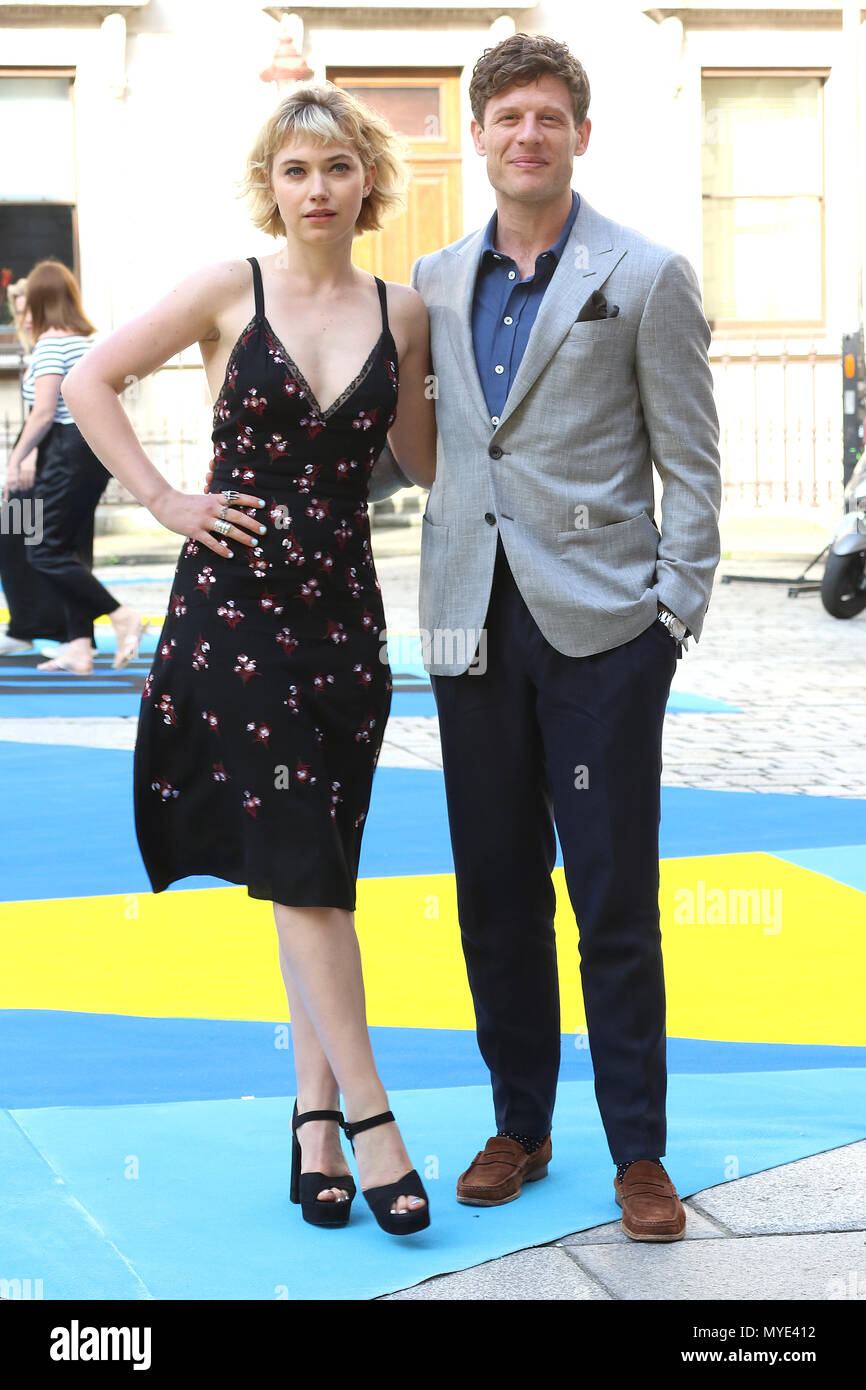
[(317, 1115), (351, 1129)]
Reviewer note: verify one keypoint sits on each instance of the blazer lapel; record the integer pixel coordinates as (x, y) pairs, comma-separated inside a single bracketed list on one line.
[(462, 276), (587, 259)]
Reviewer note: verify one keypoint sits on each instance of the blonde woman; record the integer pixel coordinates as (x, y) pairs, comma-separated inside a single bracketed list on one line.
[(262, 718), (69, 477)]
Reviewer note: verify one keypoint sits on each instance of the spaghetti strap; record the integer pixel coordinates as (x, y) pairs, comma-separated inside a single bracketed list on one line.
[(383, 300), (257, 285)]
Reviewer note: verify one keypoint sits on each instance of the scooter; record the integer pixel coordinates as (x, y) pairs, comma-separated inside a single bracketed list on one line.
[(843, 587)]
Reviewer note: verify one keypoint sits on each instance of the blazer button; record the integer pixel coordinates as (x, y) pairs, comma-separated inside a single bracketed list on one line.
[(490, 518), (495, 451)]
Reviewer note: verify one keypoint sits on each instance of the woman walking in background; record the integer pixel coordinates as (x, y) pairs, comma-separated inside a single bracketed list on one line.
[(69, 477), (35, 608)]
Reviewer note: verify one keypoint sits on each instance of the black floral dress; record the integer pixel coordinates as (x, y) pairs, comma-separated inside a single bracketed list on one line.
[(262, 716)]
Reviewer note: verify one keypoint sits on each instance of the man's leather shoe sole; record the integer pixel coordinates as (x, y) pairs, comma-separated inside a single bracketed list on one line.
[(496, 1175)]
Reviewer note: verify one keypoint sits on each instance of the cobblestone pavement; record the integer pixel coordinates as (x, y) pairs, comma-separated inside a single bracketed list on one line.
[(794, 674)]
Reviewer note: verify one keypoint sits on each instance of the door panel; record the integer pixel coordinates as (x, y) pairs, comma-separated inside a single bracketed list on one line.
[(423, 105)]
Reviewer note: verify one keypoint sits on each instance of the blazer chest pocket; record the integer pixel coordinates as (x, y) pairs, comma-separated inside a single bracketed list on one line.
[(592, 334)]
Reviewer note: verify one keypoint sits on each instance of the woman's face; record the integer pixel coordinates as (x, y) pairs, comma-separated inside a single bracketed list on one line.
[(319, 189)]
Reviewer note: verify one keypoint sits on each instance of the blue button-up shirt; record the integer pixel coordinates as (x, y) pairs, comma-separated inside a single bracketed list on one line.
[(504, 309)]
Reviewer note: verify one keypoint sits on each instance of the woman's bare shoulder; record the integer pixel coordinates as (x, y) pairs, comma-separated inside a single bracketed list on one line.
[(404, 298), (408, 312), (219, 286)]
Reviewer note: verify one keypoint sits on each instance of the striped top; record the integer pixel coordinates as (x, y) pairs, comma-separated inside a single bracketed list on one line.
[(55, 354)]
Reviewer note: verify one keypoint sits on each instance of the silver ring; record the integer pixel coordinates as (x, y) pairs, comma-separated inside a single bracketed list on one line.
[(223, 511), (222, 527), (230, 495)]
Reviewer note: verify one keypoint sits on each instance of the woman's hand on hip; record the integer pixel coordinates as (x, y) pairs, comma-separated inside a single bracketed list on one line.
[(193, 516)]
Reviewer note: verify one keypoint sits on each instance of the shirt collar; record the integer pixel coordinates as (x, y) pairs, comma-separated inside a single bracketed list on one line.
[(488, 244)]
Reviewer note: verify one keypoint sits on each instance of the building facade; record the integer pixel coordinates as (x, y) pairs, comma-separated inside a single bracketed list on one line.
[(732, 133)]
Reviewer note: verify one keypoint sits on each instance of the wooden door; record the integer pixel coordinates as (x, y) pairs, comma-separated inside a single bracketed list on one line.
[(423, 105)]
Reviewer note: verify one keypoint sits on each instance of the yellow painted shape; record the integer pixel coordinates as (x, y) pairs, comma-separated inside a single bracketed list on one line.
[(212, 953), (199, 953), (784, 969)]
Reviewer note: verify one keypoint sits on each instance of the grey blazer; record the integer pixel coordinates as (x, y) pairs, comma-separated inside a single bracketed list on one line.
[(566, 475)]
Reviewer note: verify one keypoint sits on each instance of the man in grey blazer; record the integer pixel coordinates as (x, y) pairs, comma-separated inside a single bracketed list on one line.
[(570, 354)]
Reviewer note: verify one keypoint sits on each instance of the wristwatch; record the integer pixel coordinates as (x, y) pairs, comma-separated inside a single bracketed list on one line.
[(675, 626)]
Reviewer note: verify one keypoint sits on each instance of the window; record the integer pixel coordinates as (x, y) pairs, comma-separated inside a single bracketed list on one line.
[(37, 197), (763, 199), (413, 111)]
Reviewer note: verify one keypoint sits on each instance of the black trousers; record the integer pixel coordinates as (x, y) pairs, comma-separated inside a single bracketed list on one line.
[(541, 739), (34, 608), (69, 483)]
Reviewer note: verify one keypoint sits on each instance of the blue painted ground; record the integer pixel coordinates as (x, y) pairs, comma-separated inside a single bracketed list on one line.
[(194, 1194), (59, 787), (65, 1058), (132, 1168)]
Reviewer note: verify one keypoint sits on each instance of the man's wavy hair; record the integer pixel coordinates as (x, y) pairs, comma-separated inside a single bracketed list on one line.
[(328, 115), (522, 59)]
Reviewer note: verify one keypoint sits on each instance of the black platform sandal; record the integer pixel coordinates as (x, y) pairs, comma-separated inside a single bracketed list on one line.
[(305, 1187), (379, 1199)]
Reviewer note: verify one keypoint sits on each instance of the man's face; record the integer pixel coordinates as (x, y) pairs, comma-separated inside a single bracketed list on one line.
[(530, 140)]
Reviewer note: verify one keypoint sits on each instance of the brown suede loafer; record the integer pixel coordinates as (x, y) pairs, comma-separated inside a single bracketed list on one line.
[(651, 1209), (498, 1172)]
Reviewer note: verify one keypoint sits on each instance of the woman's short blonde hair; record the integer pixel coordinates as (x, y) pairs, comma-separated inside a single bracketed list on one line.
[(328, 115)]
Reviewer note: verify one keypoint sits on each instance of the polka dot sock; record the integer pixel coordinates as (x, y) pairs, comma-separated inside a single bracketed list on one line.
[(529, 1143), (622, 1166)]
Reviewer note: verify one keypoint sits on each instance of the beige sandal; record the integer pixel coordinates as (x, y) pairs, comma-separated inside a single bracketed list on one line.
[(57, 663), (127, 645)]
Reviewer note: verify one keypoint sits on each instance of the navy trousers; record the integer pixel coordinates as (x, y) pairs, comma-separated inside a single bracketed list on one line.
[(541, 740)]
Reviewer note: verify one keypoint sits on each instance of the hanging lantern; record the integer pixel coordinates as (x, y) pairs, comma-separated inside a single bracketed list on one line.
[(288, 64)]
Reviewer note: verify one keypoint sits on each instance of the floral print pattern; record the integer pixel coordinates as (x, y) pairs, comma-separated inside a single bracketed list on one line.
[(263, 713)]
